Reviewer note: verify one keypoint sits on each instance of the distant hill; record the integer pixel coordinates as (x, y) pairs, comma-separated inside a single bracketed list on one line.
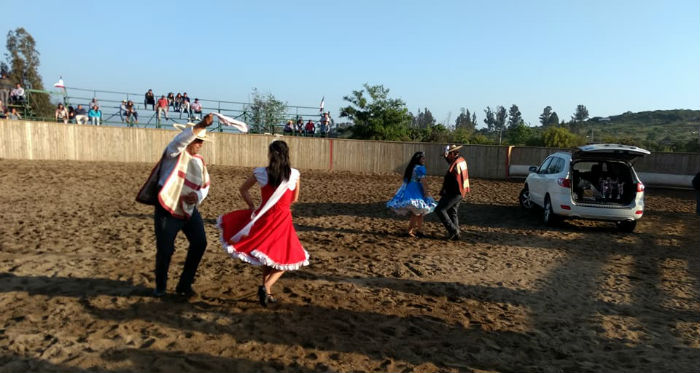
[(659, 130)]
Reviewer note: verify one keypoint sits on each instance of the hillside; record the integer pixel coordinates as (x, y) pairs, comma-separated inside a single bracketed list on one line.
[(659, 130)]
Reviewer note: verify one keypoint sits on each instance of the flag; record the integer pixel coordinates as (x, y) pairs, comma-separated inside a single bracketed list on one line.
[(323, 101), (237, 124), (59, 83)]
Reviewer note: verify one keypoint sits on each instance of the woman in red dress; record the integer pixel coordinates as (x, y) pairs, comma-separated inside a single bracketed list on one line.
[(265, 235)]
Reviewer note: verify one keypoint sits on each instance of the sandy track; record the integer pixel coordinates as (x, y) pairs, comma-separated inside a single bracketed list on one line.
[(76, 269)]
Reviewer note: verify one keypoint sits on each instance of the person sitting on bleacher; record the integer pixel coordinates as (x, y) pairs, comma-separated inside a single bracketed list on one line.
[(17, 95), (196, 108), (81, 115), (310, 128)]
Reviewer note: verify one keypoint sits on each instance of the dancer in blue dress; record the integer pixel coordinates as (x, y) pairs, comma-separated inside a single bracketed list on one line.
[(413, 196)]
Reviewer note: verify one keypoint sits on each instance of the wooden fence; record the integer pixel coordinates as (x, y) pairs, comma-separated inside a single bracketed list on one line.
[(57, 141)]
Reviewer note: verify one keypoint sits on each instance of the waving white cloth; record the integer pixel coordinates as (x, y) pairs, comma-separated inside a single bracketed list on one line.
[(237, 124), (276, 195)]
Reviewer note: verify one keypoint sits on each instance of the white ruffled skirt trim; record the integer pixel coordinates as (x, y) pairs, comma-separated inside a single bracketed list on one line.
[(255, 257)]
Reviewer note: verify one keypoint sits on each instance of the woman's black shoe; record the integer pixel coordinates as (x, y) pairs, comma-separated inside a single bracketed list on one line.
[(262, 296)]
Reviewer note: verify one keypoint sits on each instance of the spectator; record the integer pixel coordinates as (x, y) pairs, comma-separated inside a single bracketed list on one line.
[(196, 108), (93, 103), (132, 116), (150, 99), (288, 128), (178, 102), (5, 88), (185, 107), (310, 128), (95, 115), (122, 110), (300, 127), (14, 115), (171, 99), (163, 107), (17, 95), (81, 115), (325, 124), (71, 114), (61, 114)]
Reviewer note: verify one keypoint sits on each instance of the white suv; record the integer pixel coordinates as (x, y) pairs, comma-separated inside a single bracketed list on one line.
[(594, 182)]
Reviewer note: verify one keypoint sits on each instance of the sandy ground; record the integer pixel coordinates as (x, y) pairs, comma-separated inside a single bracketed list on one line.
[(76, 272)]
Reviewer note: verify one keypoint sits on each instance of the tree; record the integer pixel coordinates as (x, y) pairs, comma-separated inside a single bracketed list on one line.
[(581, 114), (376, 117), (466, 120), (553, 120), (558, 137), (490, 119), (514, 116), (518, 134), (24, 63), (424, 119), (546, 114), (501, 116), (266, 112)]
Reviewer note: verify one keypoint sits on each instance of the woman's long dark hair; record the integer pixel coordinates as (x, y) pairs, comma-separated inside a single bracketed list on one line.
[(411, 165), (279, 169)]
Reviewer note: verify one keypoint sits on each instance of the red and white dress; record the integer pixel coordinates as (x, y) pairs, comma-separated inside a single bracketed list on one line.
[(266, 235)]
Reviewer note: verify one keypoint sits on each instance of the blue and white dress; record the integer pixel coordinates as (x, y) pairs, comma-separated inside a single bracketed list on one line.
[(410, 197)]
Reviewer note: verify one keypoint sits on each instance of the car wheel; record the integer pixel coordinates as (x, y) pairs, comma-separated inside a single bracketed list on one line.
[(549, 218), (627, 225), (524, 199)]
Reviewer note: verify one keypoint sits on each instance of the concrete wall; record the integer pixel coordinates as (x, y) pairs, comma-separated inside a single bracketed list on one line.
[(57, 141)]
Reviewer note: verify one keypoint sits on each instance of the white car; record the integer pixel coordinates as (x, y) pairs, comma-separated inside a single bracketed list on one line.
[(594, 182)]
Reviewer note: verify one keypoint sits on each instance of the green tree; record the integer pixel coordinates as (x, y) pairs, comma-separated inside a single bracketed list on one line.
[(490, 119), (518, 134), (375, 115), (24, 64), (545, 116), (501, 116), (266, 111), (424, 119), (466, 120), (553, 120), (581, 114), (558, 137), (515, 118), (437, 133)]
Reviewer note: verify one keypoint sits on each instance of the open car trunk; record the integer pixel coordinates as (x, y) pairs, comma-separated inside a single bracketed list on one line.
[(603, 182)]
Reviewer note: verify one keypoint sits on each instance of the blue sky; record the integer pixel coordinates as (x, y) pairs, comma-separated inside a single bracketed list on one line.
[(612, 56)]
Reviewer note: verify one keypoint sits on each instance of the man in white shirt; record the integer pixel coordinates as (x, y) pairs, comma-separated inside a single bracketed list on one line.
[(17, 95), (177, 186)]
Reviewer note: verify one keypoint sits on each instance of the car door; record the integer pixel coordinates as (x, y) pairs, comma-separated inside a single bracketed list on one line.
[(537, 182)]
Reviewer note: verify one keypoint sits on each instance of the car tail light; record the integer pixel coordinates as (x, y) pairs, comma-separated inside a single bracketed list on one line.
[(565, 207), (640, 187), (638, 212), (564, 182)]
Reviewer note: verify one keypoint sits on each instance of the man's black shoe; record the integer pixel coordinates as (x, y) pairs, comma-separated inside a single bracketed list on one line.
[(158, 293), (186, 293)]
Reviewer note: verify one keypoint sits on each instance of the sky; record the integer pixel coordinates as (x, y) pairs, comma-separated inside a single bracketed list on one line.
[(612, 56)]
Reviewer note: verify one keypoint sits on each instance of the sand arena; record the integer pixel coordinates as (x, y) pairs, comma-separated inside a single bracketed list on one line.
[(77, 256)]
